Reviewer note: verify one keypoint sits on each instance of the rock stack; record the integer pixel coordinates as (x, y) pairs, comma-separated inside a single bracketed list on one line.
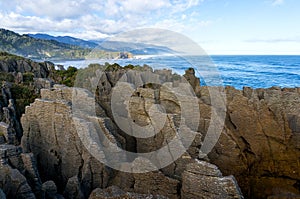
[(258, 149), (49, 124)]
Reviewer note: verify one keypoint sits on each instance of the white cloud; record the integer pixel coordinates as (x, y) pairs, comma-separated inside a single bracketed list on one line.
[(139, 6), (49, 8), (277, 2), (181, 26), (181, 6), (88, 35), (192, 3), (96, 18), (32, 23)]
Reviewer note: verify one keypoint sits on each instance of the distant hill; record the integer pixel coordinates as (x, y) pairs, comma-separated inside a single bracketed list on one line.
[(134, 48), (66, 40), (47, 47), (39, 48), (114, 46)]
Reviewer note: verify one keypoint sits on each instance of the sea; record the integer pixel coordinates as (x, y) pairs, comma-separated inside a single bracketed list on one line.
[(261, 71)]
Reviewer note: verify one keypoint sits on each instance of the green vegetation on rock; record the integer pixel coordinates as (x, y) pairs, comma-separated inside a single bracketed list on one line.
[(28, 77), (66, 77), (6, 77), (24, 95), (7, 56)]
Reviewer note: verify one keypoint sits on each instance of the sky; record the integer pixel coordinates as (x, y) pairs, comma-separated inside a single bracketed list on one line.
[(218, 26)]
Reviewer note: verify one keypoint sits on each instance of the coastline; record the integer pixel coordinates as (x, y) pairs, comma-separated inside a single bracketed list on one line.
[(258, 139)]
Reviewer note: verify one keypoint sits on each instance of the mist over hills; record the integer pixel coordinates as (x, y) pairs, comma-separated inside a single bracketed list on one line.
[(47, 47), (107, 45), (65, 40)]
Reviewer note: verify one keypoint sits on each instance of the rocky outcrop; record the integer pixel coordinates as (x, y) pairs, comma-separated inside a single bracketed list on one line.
[(68, 164), (260, 142), (11, 127), (31, 173), (114, 192), (193, 80), (14, 64), (2, 194), (71, 166), (14, 183), (18, 174), (50, 190), (40, 83), (73, 189), (6, 93), (21, 80), (43, 124), (20, 177), (11, 154), (154, 182), (204, 180)]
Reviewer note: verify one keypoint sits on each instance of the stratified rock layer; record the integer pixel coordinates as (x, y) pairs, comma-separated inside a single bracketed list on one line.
[(114, 192), (22, 65), (51, 133), (259, 143), (204, 180)]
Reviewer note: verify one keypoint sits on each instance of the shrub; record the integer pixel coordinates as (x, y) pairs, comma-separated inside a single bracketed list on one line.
[(28, 77), (6, 77), (23, 95)]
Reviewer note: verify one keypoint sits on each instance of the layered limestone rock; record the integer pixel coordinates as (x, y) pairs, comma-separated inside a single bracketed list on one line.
[(6, 93), (40, 83), (50, 189), (11, 128), (14, 183), (19, 176), (6, 134), (260, 142), (204, 180), (11, 154), (2, 194), (50, 133), (114, 192), (40, 70), (21, 80), (31, 173), (51, 122)]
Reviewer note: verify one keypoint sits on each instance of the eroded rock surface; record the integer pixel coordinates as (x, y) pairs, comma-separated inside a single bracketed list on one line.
[(204, 180), (259, 144), (14, 183), (51, 122), (2, 194), (260, 141), (40, 70), (114, 192)]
